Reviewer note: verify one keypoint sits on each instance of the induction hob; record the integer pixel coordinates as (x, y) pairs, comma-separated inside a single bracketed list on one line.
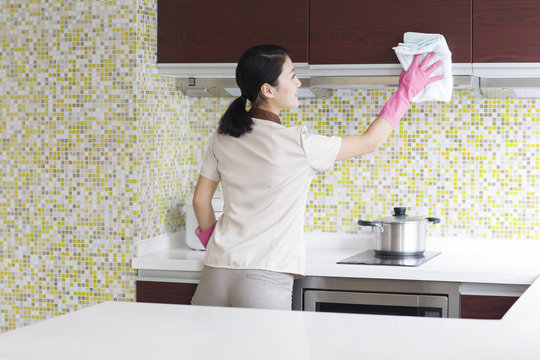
[(370, 258)]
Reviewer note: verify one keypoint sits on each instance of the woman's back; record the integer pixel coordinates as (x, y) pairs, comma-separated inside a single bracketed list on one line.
[(265, 176)]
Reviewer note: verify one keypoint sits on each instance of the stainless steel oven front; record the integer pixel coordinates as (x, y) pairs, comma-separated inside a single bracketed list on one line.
[(381, 297)]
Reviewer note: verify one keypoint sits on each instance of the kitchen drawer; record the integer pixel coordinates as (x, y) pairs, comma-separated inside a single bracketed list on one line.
[(485, 307), (165, 292)]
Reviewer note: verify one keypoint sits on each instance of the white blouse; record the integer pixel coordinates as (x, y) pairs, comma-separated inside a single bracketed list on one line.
[(265, 176)]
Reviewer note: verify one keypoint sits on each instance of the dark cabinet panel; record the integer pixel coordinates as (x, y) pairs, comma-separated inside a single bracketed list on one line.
[(506, 31), (485, 307), (164, 292), (364, 32), (346, 31), (213, 31)]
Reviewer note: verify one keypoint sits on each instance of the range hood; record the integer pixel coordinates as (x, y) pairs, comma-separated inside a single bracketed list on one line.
[(497, 80)]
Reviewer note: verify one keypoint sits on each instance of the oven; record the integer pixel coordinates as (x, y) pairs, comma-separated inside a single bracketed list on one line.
[(380, 297)]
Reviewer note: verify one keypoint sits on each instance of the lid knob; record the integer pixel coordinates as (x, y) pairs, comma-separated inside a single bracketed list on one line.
[(399, 211)]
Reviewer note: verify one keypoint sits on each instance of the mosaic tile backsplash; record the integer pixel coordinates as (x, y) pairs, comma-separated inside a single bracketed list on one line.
[(474, 163), (98, 152)]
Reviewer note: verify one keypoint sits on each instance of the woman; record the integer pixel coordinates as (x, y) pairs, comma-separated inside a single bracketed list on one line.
[(256, 248)]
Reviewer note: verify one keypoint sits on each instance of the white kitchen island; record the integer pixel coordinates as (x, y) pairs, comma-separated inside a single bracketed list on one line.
[(156, 331)]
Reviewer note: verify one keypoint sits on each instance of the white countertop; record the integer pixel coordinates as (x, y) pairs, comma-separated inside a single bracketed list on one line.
[(156, 331), (467, 260)]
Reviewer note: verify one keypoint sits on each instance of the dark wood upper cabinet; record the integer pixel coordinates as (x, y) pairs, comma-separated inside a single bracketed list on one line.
[(215, 31), (364, 32), (506, 31), (346, 31)]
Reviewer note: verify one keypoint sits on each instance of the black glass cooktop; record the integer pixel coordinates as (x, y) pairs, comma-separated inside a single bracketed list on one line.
[(370, 258)]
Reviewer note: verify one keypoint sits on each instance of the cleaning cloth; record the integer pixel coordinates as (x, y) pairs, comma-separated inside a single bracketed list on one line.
[(420, 43)]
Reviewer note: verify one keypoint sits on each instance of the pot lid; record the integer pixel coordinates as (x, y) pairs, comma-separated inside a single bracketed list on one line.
[(400, 216)]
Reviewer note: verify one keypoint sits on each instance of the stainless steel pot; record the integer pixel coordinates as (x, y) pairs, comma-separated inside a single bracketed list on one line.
[(400, 234)]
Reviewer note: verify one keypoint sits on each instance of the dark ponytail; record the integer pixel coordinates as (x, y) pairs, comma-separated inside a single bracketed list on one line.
[(236, 121), (257, 66)]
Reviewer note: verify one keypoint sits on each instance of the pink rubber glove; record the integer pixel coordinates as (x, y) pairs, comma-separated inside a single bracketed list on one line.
[(411, 82), (204, 236)]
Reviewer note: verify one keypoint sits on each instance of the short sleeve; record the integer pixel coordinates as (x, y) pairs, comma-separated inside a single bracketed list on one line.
[(209, 167), (321, 151)]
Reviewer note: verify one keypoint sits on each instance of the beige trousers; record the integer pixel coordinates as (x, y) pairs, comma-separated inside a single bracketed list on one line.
[(244, 288)]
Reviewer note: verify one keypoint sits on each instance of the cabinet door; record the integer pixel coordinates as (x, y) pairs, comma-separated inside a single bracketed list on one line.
[(485, 307), (364, 32), (215, 31), (165, 292), (506, 31)]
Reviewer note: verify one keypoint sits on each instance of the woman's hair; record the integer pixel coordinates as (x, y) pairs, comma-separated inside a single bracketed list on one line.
[(258, 65)]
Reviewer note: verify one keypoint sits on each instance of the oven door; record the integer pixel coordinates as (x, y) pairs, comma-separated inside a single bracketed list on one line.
[(376, 303)]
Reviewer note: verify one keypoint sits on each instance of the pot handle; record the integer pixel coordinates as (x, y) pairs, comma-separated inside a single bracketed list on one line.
[(433, 220), (370, 223)]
